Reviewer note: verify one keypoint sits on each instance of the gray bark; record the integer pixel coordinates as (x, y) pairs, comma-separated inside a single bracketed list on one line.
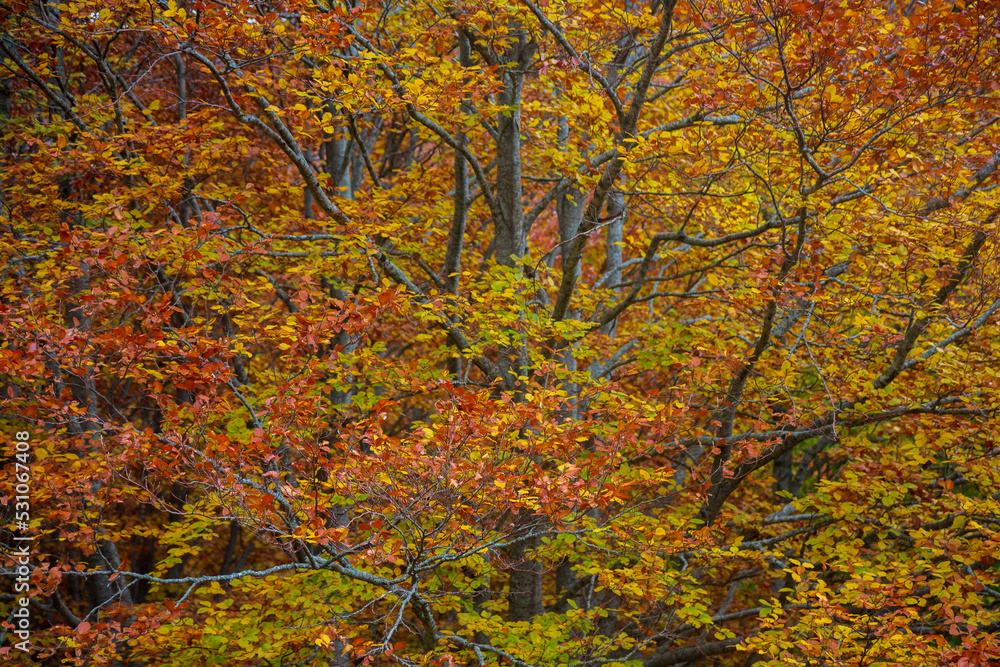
[(510, 230), (456, 237), (525, 594), (613, 250)]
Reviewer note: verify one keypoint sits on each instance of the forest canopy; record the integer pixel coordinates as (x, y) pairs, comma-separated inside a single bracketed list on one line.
[(537, 333)]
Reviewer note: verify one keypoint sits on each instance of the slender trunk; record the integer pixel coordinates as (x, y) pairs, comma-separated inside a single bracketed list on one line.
[(613, 251), (338, 165), (189, 203), (307, 195), (510, 241), (105, 559), (525, 595), (456, 238), (510, 233)]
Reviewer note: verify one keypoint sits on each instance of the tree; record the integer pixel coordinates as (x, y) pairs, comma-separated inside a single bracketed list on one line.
[(562, 333)]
